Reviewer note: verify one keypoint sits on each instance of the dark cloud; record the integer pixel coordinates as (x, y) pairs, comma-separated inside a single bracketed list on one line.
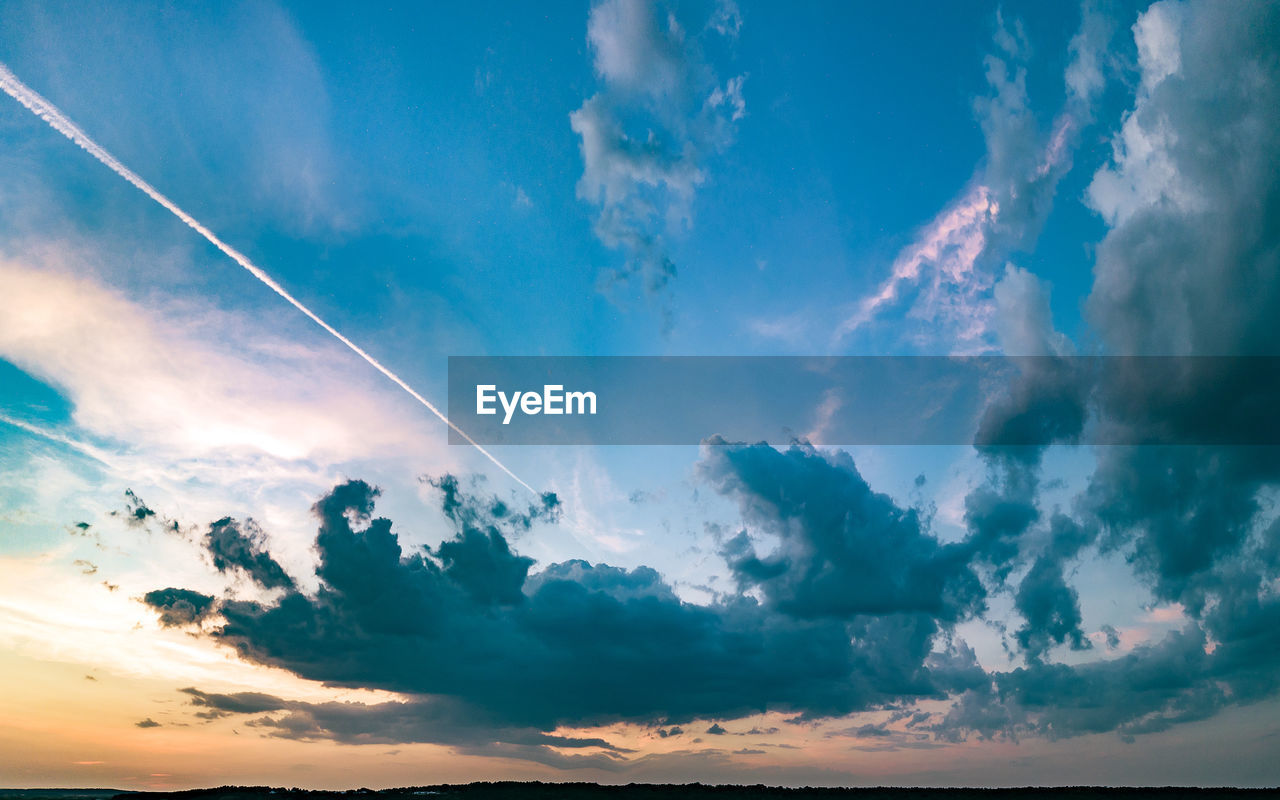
[(1113, 636), (238, 703), (575, 643), (716, 730), (136, 512), (467, 508), (845, 550), (493, 654), (1183, 678), (1050, 608), (1190, 267), (179, 607), (241, 545), (147, 723), (760, 732), (858, 600), (433, 721)]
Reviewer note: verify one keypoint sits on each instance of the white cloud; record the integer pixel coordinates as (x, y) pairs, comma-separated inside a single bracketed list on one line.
[(730, 97), (1023, 320), (1144, 172), (948, 272), (1156, 33), (194, 382), (634, 50), (646, 134), (727, 19)]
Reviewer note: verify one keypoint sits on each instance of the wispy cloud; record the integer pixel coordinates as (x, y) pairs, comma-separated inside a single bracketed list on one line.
[(947, 273), (646, 135), (46, 111)]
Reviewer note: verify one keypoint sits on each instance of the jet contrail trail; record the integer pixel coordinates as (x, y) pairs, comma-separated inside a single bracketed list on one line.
[(48, 112), (53, 436)]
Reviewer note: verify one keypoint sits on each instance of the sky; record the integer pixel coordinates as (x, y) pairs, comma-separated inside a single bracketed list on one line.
[(236, 548)]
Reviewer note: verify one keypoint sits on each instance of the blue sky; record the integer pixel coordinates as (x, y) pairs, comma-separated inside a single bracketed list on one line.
[(386, 161), (629, 178)]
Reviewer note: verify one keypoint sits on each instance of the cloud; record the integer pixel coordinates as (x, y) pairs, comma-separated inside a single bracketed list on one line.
[(490, 657), (184, 382), (635, 48), (439, 721), (1151, 689), (50, 114), (1047, 402), (1195, 278), (137, 512), (1188, 267), (147, 723), (645, 137), (179, 607), (238, 703), (240, 545), (487, 651), (1050, 610), (726, 19), (844, 550), (947, 274)]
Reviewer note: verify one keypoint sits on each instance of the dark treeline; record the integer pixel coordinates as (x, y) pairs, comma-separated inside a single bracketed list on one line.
[(511, 790)]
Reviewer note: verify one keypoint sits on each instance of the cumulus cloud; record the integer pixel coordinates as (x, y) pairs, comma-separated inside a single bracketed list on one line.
[(491, 657), (488, 652), (1195, 278), (240, 545), (845, 601), (844, 549), (647, 134), (1189, 268), (179, 607)]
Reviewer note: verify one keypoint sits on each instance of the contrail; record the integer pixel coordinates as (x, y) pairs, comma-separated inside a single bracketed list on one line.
[(48, 112), (53, 436)]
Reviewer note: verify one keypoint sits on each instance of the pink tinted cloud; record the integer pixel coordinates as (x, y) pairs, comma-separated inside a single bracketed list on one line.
[(947, 249)]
